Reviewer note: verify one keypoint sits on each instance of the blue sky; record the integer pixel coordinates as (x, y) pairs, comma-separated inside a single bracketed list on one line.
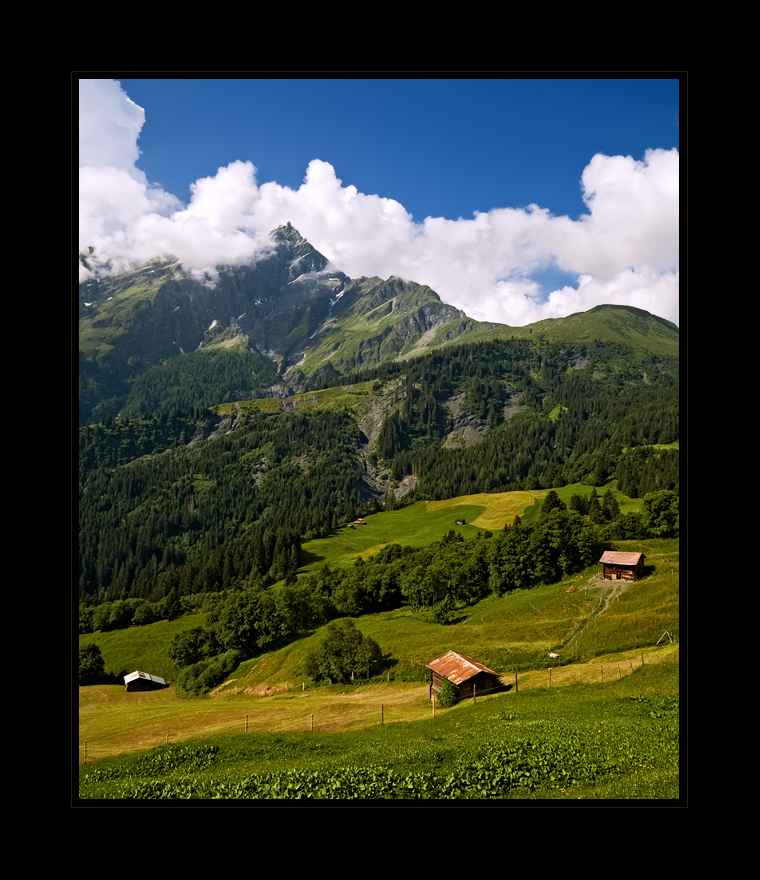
[(399, 176)]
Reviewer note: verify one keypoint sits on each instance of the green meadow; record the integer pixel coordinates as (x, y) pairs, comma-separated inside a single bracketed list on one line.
[(617, 740), (417, 525), (424, 522), (142, 647), (354, 398), (596, 713)]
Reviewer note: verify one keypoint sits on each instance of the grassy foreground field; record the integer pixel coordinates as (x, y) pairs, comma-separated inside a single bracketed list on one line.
[(592, 741), (115, 722), (599, 721)]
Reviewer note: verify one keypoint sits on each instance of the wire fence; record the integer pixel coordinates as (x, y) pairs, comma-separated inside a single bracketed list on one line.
[(330, 718)]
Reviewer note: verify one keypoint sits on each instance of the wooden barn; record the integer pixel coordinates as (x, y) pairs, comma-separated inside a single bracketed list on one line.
[(143, 681), (622, 566), (464, 673)]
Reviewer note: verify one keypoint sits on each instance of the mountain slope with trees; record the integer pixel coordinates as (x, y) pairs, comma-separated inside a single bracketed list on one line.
[(195, 501), (200, 476)]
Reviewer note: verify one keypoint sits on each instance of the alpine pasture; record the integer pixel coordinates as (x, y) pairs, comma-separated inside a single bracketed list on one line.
[(618, 656)]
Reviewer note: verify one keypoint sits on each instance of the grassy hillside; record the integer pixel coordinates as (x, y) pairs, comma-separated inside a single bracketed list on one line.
[(412, 637), (141, 647), (417, 525), (424, 522), (612, 323), (517, 631), (353, 398), (598, 721), (591, 629), (591, 741)]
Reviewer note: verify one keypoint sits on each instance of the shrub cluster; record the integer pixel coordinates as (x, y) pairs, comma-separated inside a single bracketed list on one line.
[(344, 654), (201, 677), (448, 694)]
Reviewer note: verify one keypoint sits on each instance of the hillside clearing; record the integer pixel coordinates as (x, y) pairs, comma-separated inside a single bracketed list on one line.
[(417, 525), (500, 508)]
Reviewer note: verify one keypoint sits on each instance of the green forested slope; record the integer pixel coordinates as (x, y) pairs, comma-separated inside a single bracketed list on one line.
[(192, 501)]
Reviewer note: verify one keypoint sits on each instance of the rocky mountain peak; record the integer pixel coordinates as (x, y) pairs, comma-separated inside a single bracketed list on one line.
[(288, 233), (303, 258)]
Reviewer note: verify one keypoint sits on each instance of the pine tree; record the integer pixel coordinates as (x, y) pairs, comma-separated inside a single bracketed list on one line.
[(579, 504), (595, 514), (552, 501), (610, 507)]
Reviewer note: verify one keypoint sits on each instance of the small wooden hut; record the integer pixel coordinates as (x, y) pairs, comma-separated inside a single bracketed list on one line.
[(465, 674), (622, 566), (143, 681)]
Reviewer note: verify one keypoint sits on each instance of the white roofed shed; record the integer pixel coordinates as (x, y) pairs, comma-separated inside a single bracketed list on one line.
[(143, 681)]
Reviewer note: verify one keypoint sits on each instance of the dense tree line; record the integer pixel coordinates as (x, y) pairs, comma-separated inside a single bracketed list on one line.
[(121, 440), (210, 515), (645, 469), (198, 379)]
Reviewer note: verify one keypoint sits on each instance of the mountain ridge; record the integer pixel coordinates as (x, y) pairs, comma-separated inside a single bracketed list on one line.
[(299, 320)]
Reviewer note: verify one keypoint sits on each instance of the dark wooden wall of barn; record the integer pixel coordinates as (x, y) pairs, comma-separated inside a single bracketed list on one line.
[(484, 682)]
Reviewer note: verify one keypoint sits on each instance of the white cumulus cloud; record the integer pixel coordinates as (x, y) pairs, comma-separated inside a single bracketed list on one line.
[(624, 250)]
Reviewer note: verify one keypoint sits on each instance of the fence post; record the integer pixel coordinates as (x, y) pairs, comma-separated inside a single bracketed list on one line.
[(382, 714), (516, 688), (312, 722), (550, 676), (85, 751), (246, 722)]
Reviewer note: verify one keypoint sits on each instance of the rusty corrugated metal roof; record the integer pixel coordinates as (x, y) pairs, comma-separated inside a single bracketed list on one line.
[(457, 667), (614, 557)]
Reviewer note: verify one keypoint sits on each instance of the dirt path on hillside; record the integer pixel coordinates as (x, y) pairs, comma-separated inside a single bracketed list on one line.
[(608, 592)]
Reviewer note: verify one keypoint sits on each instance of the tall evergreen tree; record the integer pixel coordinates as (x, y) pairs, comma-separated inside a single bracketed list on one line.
[(551, 502)]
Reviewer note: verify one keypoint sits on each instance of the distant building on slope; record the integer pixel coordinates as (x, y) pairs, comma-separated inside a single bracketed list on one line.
[(465, 674), (143, 681), (622, 566)]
